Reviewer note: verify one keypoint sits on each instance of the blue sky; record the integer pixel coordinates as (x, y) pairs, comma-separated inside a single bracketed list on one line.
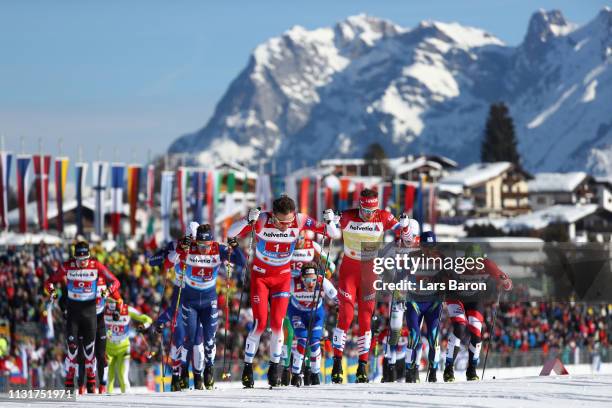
[(124, 78)]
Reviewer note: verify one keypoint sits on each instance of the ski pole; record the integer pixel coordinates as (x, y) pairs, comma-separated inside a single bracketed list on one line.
[(247, 268), (226, 374), (491, 332), (317, 296), (178, 299)]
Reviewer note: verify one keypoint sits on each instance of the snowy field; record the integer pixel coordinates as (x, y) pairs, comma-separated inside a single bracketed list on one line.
[(558, 391)]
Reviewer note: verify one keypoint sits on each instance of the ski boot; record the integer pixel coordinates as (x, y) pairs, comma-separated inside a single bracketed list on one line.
[(470, 373), (296, 380), (209, 377), (391, 373), (362, 372), (412, 374), (175, 384), (197, 381), (307, 376), (184, 379), (91, 385), (431, 375), (315, 379), (336, 375), (385, 371), (449, 373), (273, 377), (247, 376), (102, 389), (286, 378), (82, 390), (400, 369)]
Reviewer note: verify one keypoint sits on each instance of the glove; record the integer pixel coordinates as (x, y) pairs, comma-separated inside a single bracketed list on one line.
[(141, 328), (506, 284), (404, 220), (54, 295), (397, 295), (116, 315), (186, 242), (253, 215), (104, 293), (159, 328), (233, 243), (329, 216)]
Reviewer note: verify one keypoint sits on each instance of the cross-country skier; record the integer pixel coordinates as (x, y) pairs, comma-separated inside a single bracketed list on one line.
[(181, 351), (306, 250), (466, 308), (301, 310), (406, 245), (197, 268), (276, 233), (118, 316), (100, 346), (424, 304), (81, 274), (363, 229)]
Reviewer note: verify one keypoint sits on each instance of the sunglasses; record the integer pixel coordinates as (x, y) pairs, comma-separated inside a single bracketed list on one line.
[(275, 220), (368, 210), (309, 280)]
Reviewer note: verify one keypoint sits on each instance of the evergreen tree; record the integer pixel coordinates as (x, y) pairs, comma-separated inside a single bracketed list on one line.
[(499, 143), (376, 157)]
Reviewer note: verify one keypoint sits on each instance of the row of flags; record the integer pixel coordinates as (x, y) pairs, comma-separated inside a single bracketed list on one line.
[(197, 194), (42, 165)]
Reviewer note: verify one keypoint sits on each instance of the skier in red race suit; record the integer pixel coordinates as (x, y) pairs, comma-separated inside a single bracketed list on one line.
[(363, 230), (81, 276), (466, 309), (276, 234)]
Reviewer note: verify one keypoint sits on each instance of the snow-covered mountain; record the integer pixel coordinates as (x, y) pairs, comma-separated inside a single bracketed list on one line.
[(330, 92)]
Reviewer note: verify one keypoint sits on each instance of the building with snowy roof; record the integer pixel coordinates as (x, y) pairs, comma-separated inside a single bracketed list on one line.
[(548, 189), (488, 189)]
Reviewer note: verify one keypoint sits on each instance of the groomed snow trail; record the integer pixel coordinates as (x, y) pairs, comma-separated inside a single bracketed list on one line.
[(538, 392)]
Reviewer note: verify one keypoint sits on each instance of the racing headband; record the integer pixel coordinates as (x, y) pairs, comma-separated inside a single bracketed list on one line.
[(368, 202)]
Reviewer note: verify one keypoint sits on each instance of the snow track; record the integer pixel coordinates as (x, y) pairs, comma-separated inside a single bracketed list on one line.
[(577, 390)]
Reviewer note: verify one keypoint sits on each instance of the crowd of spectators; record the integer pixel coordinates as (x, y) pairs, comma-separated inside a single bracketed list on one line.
[(544, 327)]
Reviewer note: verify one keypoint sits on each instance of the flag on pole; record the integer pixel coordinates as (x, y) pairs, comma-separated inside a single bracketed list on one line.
[(208, 180), (133, 186), (42, 164), (409, 199), (181, 196), (199, 181), (304, 195), (166, 203), (5, 176), (61, 173), (418, 206), (359, 186), (150, 186), (263, 192), (432, 206), (23, 164), (99, 175), (149, 239), (81, 174), (117, 185), (344, 193)]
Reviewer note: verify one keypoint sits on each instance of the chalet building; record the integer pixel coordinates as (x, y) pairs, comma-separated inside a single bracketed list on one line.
[(408, 168), (489, 189), (548, 189)]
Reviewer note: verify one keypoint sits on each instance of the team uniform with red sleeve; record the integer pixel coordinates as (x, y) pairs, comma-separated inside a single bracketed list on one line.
[(362, 241), (81, 288), (271, 274)]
